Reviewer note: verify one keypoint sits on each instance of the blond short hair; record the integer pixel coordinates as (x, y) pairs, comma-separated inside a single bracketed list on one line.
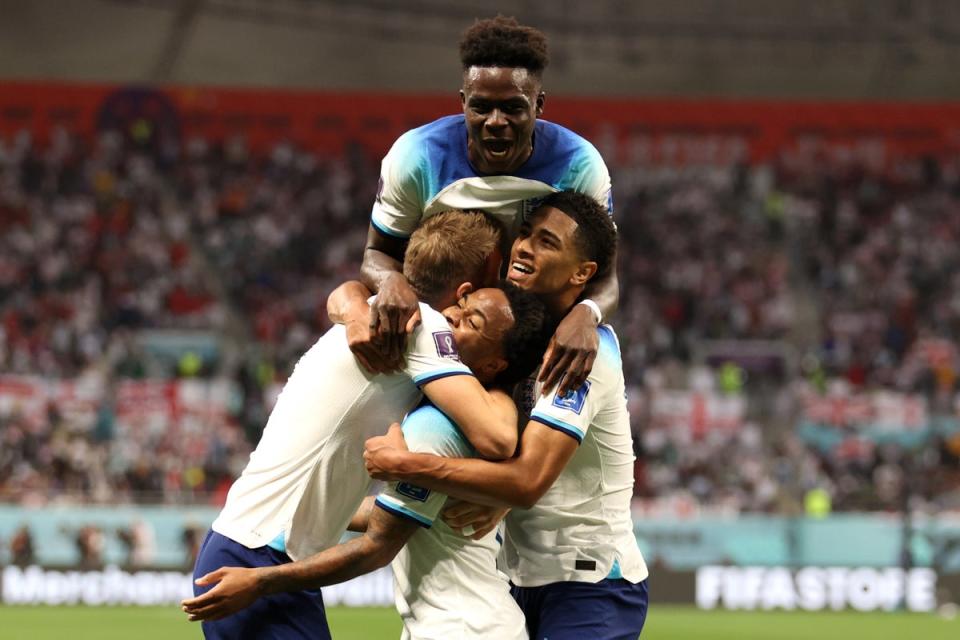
[(448, 249)]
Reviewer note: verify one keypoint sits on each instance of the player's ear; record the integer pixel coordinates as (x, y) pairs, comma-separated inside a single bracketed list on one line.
[(586, 270), (541, 98), (464, 289), (463, 99), (493, 366)]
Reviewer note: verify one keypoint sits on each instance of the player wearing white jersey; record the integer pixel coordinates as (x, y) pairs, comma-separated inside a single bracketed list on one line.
[(569, 548), (499, 157), (305, 479), (447, 585)]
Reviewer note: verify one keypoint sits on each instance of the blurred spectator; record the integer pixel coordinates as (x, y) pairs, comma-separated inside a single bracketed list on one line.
[(192, 539), (89, 543), (140, 543), (21, 547)]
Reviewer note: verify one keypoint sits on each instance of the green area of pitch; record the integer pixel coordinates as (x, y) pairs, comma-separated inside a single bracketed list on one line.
[(664, 623), (164, 623)]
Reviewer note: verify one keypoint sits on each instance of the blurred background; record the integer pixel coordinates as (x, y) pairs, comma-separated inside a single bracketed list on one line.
[(182, 183)]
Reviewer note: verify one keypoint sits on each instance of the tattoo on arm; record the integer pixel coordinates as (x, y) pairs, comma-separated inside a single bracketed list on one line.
[(385, 536)]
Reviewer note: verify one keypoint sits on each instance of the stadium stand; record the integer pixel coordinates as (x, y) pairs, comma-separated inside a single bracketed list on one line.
[(137, 257)]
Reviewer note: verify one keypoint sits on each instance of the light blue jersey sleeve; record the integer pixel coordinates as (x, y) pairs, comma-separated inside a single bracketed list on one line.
[(432, 351), (588, 174), (426, 430), (573, 412), (403, 189)]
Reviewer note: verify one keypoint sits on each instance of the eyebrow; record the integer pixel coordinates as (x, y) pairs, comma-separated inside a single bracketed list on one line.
[(477, 310), (552, 235), (514, 100)]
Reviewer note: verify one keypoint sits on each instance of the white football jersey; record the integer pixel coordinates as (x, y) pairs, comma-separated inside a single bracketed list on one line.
[(447, 585), (306, 478), (581, 529)]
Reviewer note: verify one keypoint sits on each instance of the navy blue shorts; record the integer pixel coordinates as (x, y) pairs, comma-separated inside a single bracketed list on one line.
[(612, 609), (295, 616)]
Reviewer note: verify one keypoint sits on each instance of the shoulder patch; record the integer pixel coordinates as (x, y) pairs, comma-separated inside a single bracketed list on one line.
[(573, 400), (413, 491), (446, 346)]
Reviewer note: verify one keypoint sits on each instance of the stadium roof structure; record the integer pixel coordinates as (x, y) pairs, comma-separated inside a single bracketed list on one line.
[(851, 49)]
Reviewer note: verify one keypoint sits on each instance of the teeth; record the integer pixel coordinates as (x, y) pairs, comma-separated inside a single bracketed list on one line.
[(522, 268)]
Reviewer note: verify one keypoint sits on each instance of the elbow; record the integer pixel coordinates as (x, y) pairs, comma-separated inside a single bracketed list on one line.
[(383, 559), (531, 493), (380, 556), (527, 498), (496, 448)]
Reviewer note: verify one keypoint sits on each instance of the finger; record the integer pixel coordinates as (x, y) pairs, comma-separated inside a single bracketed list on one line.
[(211, 578), (377, 361), (482, 533), (193, 603), (202, 603), (587, 366), (388, 333), (365, 362), (203, 600), (401, 316), (383, 328), (556, 372), (458, 509), (574, 375), (460, 521), (413, 322), (375, 316), (207, 614), (547, 360), (395, 436)]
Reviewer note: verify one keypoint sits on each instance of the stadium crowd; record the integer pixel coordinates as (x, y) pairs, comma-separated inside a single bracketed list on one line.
[(100, 241)]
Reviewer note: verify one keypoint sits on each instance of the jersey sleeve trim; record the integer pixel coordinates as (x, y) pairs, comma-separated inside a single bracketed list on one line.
[(559, 425), (379, 226), (399, 510), (436, 375)]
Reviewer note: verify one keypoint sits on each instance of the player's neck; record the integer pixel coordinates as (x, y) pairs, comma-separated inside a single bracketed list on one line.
[(559, 305), (443, 300)]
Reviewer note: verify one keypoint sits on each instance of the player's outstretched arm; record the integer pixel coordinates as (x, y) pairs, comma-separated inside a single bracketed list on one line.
[(396, 302), (238, 587), (517, 482), (488, 419)]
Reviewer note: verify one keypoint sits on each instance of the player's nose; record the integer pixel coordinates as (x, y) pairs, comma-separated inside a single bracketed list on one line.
[(523, 248), (496, 120)]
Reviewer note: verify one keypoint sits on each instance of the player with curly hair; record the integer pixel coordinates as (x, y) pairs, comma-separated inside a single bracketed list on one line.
[(498, 156)]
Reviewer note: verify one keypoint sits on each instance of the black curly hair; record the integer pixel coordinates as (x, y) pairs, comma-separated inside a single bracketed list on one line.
[(503, 42), (596, 235), (525, 343)]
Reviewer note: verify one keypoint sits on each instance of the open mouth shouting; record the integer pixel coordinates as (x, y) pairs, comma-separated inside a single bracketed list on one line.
[(519, 271), (498, 148)]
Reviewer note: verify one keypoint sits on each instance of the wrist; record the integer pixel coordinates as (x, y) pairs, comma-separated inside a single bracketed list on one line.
[(394, 278), (267, 579), (594, 309)]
